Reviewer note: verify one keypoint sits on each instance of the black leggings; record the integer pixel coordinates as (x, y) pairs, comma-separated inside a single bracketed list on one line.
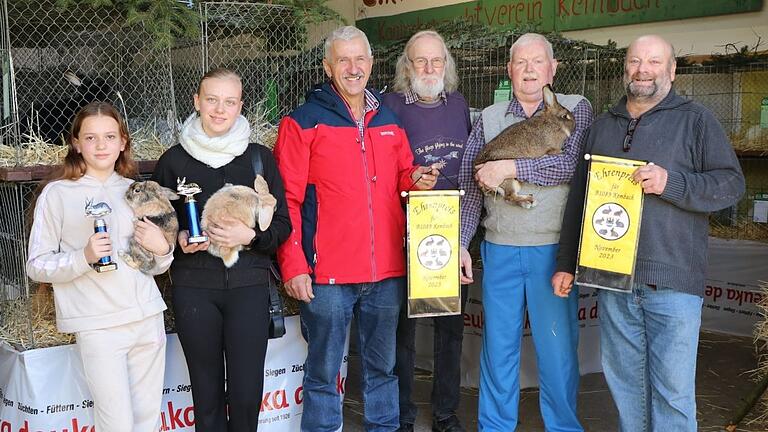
[(213, 324)]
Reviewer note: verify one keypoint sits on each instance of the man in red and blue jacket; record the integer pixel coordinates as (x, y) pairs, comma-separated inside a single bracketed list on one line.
[(345, 159)]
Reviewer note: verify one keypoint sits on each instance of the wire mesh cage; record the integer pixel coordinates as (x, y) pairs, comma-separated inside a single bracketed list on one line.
[(735, 94), (590, 70), (54, 61), (63, 59), (270, 48)]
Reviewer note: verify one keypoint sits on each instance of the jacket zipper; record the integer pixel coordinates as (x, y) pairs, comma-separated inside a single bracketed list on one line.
[(370, 203), (317, 234)]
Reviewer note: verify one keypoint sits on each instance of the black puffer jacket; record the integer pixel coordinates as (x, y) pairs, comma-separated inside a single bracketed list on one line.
[(201, 269)]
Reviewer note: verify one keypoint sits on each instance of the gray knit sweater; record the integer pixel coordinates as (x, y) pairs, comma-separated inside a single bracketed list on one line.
[(704, 175)]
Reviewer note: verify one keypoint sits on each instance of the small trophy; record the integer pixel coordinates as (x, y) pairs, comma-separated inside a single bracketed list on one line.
[(98, 211), (189, 190)]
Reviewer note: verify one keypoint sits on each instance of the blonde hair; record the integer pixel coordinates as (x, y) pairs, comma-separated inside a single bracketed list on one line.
[(403, 68), (221, 73)]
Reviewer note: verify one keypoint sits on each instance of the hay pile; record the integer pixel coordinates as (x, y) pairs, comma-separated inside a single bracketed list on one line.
[(744, 229), (761, 332), (36, 314), (752, 139), (33, 151), (262, 130), (147, 144), (761, 373)]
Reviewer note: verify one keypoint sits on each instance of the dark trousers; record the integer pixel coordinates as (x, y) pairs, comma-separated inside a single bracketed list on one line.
[(214, 324), (449, 332)]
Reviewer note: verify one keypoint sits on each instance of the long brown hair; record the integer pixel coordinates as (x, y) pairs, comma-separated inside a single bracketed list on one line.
[(74, 166)]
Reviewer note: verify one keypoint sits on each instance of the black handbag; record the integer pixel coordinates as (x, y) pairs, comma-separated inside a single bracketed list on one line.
[(276, 319)]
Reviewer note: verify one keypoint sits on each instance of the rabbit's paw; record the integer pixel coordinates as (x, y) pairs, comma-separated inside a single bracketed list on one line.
[(128, 259), (229, 256)]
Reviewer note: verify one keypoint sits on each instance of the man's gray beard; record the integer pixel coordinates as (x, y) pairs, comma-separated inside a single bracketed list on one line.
[(642, 92), (427, 91)]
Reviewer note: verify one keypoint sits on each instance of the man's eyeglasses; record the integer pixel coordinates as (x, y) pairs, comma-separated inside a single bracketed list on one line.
[(421, 62), (630, 133)]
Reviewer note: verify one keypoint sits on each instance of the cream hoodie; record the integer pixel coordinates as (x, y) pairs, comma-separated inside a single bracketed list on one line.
[(85, 299)]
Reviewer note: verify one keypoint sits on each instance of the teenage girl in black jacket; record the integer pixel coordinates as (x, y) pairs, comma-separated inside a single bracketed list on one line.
[(222, 312)]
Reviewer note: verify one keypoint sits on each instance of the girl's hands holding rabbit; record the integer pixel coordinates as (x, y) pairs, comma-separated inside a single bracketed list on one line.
[(230, 232), (150, 237), (491, 174)]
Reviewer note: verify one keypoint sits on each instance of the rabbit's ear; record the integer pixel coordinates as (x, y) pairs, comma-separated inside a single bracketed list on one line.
[(549, 96), (265, 216), (168, 193), (260, 185)]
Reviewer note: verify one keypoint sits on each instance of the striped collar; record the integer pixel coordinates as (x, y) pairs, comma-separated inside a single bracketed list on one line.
[(412, 97), (371, 102)]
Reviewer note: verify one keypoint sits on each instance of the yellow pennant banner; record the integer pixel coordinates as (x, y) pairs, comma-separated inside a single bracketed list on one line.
[(433, 253), (611, 224)]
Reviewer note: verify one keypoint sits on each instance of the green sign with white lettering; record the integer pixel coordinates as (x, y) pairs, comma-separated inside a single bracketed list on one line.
[(551, 15)]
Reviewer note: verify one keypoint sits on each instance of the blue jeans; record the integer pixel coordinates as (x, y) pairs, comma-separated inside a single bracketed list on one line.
[(649, 339), (324, 324), (515, 277)]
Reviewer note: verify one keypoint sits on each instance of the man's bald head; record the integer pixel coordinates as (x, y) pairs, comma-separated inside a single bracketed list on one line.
[(649, 70), (656, 39)]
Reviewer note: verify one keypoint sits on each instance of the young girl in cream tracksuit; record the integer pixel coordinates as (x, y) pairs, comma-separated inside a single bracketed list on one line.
[(117, 315)]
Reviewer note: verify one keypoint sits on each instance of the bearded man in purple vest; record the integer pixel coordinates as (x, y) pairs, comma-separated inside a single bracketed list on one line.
[(436, 119)]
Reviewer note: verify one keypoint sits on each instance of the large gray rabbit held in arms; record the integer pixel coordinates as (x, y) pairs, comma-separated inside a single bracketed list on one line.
[(241, 203), (542, 134), (149, 199)]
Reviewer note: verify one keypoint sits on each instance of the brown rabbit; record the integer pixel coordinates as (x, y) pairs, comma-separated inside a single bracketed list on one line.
[(540, 135), (149, 199), (242, 203)]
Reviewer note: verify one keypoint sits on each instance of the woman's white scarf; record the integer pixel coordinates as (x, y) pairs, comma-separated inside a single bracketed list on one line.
[(217, 151)]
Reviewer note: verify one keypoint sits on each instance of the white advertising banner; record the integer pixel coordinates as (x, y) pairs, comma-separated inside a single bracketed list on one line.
[(734, 273), (589, 339), (43, 390), (736, 269)]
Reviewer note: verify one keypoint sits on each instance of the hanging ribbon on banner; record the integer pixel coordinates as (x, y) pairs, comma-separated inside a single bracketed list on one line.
[(433, 253), (610, 225)]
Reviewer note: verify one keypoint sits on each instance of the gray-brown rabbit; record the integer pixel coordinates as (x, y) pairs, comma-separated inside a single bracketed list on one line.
[(241, 203), (149, 199), (540, 135)]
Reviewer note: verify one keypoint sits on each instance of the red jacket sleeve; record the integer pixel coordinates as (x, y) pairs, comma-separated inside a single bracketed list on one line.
[(292, 155)]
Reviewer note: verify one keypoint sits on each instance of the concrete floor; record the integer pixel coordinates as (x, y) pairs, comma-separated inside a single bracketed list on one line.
[(723, 378)]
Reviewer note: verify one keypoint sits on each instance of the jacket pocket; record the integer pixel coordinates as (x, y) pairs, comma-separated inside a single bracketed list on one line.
[(309, 223)]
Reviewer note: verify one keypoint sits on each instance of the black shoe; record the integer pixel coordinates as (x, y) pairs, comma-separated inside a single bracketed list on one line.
[(405, 427), (451, 424)]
